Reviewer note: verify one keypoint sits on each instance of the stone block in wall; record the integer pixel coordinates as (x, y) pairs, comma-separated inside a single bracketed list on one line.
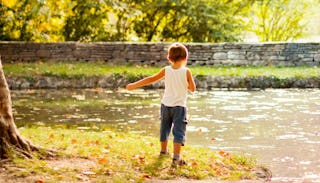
[(305, 55), (236, 55), (258, 63), (306, 59), (257, 47), (220, 56), (274, 57), (43, 53), (230, 46), (253, 55), (292, 57), (317, 57)]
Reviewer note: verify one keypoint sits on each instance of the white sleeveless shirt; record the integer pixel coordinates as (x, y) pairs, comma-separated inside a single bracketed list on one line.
[(176, 87)]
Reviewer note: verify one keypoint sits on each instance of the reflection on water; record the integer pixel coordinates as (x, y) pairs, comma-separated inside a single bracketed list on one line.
[(280, 127)]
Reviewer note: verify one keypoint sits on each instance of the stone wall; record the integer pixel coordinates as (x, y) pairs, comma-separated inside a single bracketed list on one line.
[(288, 54)]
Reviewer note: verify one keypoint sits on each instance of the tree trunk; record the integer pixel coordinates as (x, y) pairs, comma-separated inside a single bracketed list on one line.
[(10, 139)]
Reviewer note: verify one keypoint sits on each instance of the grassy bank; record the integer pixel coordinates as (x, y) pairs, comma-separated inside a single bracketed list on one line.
[(79, 69), (97, 155)]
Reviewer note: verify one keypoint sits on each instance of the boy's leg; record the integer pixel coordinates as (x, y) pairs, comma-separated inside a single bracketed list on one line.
[(165, 128), (179, 129), (176, 150), (164, 146)]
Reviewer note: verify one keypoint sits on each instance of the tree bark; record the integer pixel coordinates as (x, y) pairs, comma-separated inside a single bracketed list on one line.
[(10, 139)]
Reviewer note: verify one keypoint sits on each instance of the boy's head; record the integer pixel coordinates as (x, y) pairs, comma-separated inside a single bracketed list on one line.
[(177, 52)]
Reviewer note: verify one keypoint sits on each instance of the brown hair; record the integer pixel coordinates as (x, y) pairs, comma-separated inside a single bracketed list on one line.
[(177, 52)]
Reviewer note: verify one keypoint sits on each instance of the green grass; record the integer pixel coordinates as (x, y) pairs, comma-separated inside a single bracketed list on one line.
[(255, 71), (123, 156), (79, 69)]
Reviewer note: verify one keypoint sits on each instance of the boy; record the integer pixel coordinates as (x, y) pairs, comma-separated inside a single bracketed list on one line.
[(178, 80)]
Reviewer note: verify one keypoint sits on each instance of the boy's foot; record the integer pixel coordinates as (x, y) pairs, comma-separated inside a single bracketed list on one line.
[(164, 154), (179, 162)]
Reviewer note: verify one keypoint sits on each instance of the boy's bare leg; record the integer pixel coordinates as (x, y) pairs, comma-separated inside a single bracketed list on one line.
[(164, 146), (176, 150)]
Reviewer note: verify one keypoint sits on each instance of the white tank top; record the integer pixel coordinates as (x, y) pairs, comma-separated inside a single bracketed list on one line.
[(176, 87)]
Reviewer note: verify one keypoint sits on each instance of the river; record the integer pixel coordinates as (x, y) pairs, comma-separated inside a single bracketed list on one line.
[(280, 127)]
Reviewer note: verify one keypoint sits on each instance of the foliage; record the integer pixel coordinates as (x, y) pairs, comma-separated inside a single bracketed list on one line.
[(31, 20), (86, 21), (204, 21), (129, 20), (279, 20)]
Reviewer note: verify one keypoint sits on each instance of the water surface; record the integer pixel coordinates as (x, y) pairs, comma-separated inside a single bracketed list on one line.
[(280, 127)]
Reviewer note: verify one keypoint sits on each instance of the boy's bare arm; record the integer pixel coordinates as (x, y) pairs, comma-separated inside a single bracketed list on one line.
[(191, 83), (146, 81)]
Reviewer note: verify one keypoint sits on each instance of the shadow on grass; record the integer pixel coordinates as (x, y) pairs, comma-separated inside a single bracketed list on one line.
[(161, 168)]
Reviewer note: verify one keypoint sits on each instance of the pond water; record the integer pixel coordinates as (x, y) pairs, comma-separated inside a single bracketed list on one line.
[(279, 127)]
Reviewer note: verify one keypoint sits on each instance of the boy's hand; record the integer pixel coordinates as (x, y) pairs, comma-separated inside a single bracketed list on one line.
[(129, 87)]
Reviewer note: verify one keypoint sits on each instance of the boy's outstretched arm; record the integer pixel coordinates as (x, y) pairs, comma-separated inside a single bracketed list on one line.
[(191, 83), (146, 81)]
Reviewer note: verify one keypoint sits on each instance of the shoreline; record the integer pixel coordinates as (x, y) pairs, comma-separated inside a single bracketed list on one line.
[(115, 81)]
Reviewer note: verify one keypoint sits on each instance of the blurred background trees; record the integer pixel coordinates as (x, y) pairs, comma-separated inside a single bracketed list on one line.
[(155, 20)]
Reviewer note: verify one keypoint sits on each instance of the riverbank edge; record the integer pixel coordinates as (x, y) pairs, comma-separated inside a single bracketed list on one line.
[(114, 81), (105, 159)]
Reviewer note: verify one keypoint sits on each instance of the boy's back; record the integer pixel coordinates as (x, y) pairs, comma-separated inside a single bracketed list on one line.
[(176, 87)]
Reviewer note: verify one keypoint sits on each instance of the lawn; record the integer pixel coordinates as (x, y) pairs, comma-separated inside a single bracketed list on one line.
[(78, 69), (102, 153)]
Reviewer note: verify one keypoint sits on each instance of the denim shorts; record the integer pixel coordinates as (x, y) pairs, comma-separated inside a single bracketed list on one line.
[(174, 118)]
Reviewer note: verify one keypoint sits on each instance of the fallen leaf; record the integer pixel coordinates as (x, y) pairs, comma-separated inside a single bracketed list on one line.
[(73, 141), (224, 154), (51, 136), (140, 158), (39, 181), (103, 161), (146, 176), (194, 163), (88, 142)]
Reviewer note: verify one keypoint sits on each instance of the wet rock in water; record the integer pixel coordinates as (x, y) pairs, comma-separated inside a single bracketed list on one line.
[(263, 173)]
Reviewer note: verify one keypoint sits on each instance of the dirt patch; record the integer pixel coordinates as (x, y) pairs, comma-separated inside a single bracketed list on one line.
[(79, 169)]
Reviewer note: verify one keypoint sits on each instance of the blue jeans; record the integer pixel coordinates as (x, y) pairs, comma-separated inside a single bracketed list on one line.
[(174, 118)]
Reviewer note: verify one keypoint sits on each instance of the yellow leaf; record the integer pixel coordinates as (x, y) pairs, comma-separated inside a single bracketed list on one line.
[(9, 3), (51, 136)]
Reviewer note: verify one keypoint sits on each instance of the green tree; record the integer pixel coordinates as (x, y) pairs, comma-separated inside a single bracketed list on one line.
[(86, 21), (192, 21), (121, 15), (17, 20), (31, 20), (278, 20)]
